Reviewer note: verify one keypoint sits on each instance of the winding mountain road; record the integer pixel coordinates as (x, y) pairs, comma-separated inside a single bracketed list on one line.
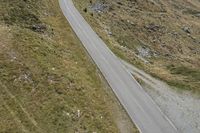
[(138, 104)]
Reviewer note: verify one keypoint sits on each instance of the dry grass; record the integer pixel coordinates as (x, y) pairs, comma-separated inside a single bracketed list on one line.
[(157, 26), (48, 83)]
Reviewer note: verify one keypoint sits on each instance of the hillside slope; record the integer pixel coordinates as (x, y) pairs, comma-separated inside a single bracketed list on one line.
[(48, 83), (161, 37)]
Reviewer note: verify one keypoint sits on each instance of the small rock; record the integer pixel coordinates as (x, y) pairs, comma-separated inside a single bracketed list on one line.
[(78, 113), (99, 7), (187, 30), (197, 15), (110, 33), (152, 27), (144, 52), (39, 28)]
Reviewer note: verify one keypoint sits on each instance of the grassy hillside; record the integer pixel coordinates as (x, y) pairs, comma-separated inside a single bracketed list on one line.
[(47, 82), (162, 37)]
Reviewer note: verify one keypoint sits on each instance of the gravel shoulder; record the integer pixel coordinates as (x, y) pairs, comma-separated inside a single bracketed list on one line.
[(182, 108)]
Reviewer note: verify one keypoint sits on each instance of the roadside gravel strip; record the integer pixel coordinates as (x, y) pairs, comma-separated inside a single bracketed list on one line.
[(140, 107)]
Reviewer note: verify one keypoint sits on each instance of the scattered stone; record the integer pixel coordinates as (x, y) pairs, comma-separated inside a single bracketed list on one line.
[(175, 33), (26, 78), (133, 24), (186, 29), (78, 113), (66, 113), (144, 52), (197, 15), (39, 28), (107, 30), (110, 33), (99, 7), (152, 27), (12, 55)]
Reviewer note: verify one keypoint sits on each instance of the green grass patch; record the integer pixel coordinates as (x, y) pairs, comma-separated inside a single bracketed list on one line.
[(185, 71)]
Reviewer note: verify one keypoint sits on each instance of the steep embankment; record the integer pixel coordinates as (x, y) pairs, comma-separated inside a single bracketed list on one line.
[(162, 37), (47, 82)]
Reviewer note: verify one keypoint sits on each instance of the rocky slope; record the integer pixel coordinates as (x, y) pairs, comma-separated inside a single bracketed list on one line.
[(161, 37)]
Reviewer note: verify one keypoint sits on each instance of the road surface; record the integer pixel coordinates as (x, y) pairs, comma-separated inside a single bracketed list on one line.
[(139, 106)]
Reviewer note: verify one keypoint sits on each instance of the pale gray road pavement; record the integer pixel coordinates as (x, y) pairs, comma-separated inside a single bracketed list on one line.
[(139, 106)]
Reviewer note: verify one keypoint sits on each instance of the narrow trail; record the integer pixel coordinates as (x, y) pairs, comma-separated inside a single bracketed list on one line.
[(16, 119), (31, 120)]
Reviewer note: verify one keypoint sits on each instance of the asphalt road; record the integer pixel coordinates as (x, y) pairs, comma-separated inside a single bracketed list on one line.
[(139, 106)]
